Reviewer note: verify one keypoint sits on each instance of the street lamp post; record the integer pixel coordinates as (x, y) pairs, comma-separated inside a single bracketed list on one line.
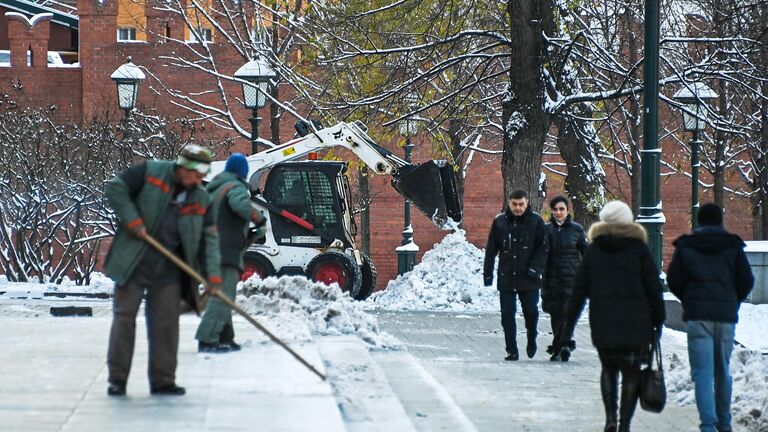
[(406, 252), (127, 77), (257, 75), (651, 214), (694, 98)]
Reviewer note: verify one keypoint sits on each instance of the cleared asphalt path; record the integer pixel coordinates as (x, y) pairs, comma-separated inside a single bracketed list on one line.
[(464, 353)]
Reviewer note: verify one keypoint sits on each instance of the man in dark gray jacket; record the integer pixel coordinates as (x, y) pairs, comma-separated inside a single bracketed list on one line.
[(518, 237), (231, 200), (711, 276)]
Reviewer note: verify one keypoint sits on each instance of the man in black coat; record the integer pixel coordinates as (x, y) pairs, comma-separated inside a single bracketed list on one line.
[(711, 276), (567, 243), (518, 237)]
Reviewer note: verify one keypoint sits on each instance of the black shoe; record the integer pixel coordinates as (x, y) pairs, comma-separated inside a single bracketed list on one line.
[(565, 354), (512, 356), (213, 347), (116, 389), (555, 357), (231, 346), (550, 349), (530, 349), (168, 390), (572, 345)]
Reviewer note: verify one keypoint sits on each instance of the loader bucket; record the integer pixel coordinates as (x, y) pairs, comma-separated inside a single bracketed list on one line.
[(432, 189)]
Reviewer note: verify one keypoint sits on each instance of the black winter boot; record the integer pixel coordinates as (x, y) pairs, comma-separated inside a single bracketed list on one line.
[(227, 339), (512, 355), (116, 389), (213, 347), (609, 383), (168, 390), (630, 392), (530, 349)]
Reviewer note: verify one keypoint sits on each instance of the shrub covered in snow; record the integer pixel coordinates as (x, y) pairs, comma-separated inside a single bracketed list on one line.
[(325, 310), (449, 278)]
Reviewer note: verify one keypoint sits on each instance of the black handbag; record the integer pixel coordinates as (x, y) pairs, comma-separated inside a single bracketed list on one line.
[(653, 391)]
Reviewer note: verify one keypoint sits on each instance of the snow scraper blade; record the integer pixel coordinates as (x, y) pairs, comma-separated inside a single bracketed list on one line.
[(432, 189)]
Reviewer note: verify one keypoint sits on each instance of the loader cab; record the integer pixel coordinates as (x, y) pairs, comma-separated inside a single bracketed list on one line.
[(316, 191)]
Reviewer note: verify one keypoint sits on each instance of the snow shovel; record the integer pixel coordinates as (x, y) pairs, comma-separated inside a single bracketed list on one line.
[(227, 301)]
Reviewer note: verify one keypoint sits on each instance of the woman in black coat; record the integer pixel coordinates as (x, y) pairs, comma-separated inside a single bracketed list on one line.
[(567, 243), (621, 280)]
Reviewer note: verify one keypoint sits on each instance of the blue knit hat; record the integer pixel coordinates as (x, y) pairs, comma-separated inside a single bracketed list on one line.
[(238, 165)]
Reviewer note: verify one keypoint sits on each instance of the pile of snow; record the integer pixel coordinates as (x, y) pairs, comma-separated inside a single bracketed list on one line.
[(750, 331), (749, 370), (449, 278), (99, 283), (293, 303)]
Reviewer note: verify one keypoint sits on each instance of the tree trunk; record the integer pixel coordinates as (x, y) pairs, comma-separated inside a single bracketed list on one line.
[(454, 126), (274, 109), (274, 116), (523, 116), (585, 182), (365, 210)]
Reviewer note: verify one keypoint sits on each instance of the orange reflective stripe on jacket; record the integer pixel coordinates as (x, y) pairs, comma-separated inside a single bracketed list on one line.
[(192, 209), (154, 181)]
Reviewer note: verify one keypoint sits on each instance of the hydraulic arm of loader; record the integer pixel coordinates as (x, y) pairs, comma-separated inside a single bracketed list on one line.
[(429, 186)]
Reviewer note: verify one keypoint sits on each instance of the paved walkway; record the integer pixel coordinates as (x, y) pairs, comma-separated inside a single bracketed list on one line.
[(53, 377), (464, 353), (451, 378)]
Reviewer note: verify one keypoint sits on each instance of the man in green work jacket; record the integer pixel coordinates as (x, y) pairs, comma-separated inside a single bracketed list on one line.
[(164, 199), (232, 201)]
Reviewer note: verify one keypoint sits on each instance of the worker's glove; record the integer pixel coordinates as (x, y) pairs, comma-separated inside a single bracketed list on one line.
[(260, 232), (534, 274), (261, 222), (213, 284), (137, 228)]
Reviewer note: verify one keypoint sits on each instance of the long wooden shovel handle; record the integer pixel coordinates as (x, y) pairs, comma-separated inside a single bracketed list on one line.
[(227, 301)]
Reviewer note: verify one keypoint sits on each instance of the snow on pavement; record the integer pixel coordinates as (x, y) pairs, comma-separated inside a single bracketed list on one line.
[(448, 278), (99, 283), (296, 302), (751, 329)]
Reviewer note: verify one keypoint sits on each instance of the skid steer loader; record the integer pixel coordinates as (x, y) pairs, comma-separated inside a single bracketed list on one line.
[(310, 225)]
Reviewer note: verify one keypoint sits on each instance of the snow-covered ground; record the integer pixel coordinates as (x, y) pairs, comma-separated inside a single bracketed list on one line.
[(448, 278), (100, 284), (293, 302)]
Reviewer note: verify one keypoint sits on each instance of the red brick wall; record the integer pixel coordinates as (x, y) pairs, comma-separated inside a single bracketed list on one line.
[(39, 85)]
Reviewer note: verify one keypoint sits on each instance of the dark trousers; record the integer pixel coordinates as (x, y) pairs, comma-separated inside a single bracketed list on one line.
[(530, 303), (162, 314), (556, 319)]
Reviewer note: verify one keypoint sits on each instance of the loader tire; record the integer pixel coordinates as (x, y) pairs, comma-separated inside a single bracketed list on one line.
[(368, 271), (336, 267), (254, 262)]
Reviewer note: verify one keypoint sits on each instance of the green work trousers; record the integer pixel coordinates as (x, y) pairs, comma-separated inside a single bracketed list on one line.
[(217, 314)]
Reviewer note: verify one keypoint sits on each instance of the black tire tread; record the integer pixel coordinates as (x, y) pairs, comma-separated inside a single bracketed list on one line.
[(349, 263), (368, 271)]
